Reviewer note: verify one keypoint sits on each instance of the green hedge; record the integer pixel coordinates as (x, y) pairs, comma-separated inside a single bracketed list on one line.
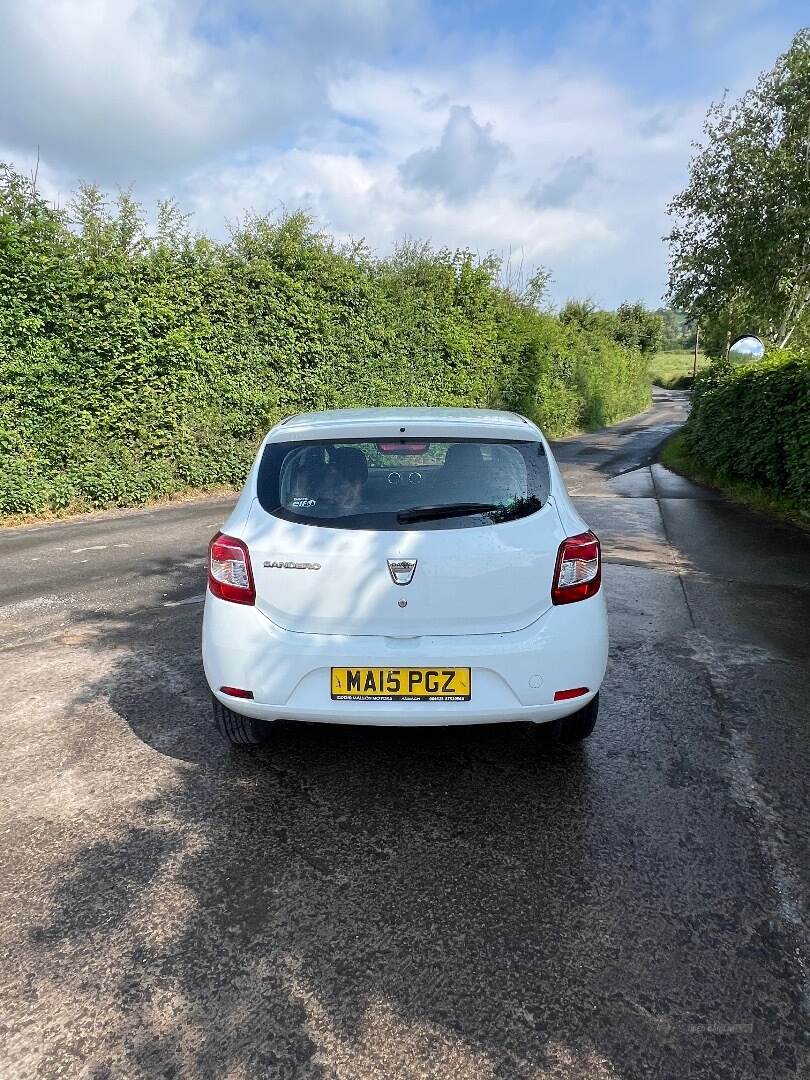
[(752, 424), (135, 365)]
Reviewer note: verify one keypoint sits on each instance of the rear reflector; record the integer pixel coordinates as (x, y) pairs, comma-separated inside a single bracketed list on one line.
[(564, 695), (234, 691), (578, 573), (229, 574)]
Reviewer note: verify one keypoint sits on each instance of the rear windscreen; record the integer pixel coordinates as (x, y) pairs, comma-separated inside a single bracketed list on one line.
[(403, 483)]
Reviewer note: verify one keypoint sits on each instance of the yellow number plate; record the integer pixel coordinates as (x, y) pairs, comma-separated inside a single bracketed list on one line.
[(401, 684)]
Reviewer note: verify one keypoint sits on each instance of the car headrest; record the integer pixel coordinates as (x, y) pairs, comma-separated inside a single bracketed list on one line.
[(351, 462), (464, 457)]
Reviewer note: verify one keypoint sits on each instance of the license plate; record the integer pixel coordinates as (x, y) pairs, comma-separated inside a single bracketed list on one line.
[(400, 684)]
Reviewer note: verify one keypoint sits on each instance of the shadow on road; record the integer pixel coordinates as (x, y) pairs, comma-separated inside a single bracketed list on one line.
[(346, 895), (382, 903)]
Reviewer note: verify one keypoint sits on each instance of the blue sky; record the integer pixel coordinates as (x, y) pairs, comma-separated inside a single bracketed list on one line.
[(552, 133)]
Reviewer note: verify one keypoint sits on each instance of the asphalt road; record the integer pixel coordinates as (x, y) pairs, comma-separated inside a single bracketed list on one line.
[(377, 903)]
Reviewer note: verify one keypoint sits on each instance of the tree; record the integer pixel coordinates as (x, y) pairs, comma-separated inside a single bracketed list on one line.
[(679, 330), (631, 325), (740, 248), (637, 328)]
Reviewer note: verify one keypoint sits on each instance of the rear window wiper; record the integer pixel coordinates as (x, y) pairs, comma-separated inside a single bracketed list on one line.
[(432, 513)]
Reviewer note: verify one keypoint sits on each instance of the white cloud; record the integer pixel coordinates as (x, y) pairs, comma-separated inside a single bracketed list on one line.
[(105, 86), (462, 164), (581, 171), (355, 198), (565, 182), (124, 90), (263, 104)]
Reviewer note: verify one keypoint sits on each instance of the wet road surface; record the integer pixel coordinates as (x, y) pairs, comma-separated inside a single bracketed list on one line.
[(361, 903)]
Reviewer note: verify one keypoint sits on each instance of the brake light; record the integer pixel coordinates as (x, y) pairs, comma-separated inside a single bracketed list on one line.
[(403, 446), (229, 574), (578, 573)]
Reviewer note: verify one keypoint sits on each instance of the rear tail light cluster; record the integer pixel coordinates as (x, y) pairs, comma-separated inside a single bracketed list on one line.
[(578, 573), (229, 574)]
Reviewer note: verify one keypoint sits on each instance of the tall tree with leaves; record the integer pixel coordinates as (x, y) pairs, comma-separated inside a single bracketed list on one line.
[(740, 247)]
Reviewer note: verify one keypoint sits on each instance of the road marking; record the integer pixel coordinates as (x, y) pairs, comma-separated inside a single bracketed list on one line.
[(92, 547)]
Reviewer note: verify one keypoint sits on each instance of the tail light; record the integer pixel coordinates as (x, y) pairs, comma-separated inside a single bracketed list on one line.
[(578, 573), (229, 574)]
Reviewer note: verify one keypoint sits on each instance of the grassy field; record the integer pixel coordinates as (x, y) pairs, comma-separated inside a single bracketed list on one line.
[(673, 370)]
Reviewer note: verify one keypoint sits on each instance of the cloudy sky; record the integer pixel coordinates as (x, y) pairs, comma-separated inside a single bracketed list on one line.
[(550, 132)]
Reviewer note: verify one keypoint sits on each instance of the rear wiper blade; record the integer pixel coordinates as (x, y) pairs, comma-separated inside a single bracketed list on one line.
[(432, 513)]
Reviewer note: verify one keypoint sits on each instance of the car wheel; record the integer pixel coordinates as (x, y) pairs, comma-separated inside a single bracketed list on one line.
[(579, 725), (239, 730)]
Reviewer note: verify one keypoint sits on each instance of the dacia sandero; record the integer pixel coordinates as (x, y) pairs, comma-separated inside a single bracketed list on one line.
[(411, 567)]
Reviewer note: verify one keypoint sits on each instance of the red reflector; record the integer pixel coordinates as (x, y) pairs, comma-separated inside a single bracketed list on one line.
[(234, 691), (564, 695)]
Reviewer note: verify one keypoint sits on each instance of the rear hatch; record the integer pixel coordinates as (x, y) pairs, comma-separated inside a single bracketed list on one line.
[(403, 539)]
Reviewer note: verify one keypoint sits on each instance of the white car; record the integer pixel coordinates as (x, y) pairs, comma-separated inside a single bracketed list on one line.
[(404, 567)]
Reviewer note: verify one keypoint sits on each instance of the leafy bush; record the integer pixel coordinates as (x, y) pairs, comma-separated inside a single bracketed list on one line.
[(752, 424), (134, 365)]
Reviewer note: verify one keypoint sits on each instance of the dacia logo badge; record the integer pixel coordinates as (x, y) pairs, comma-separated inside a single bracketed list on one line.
[(401, 570)]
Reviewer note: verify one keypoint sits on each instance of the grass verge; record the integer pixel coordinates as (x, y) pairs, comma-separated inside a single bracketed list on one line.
[(673, 370), (675, 456), (79, 509)]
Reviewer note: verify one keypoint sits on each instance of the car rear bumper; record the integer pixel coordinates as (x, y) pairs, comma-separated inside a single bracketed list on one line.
[(449, 714), (514, 675)]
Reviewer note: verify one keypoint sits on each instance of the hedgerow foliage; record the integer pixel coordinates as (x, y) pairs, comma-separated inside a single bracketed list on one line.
[(752, 424), (134, 364)]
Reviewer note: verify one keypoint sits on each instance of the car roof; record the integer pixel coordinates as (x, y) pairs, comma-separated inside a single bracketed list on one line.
[(353, 423)]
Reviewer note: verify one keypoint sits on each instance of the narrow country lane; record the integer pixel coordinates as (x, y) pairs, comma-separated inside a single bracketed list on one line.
[(430, 903)]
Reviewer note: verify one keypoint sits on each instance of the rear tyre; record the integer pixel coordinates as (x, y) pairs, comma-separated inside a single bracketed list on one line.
[(239, 730), (579, 725)]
